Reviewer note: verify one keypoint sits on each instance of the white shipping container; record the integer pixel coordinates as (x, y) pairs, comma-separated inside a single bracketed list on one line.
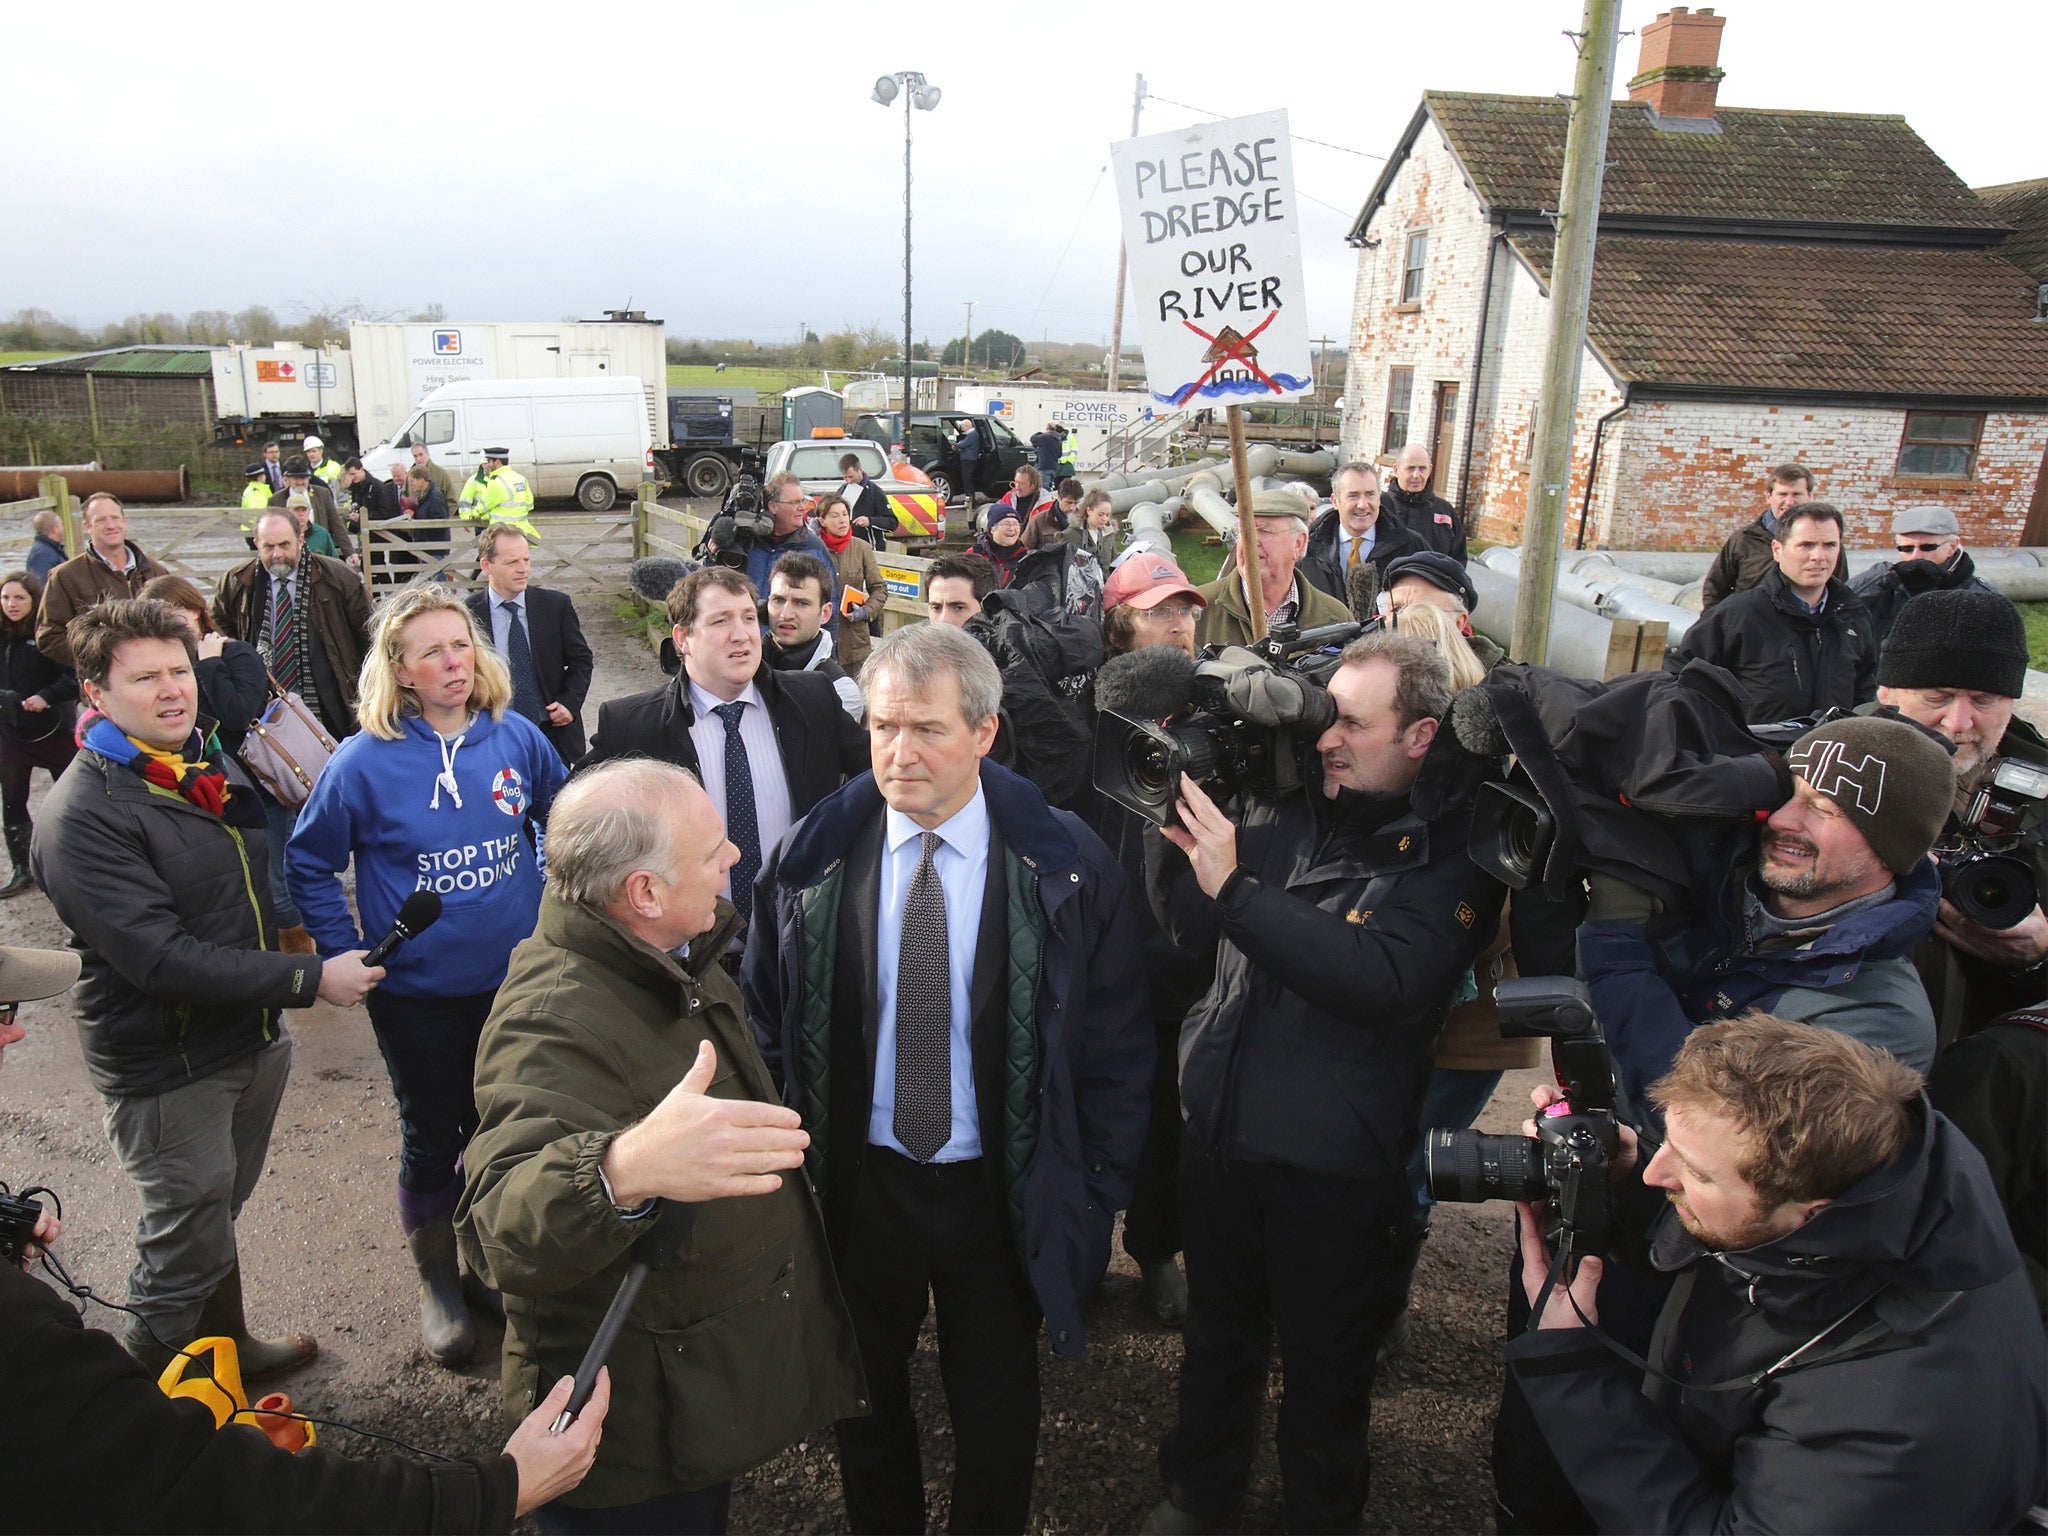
[(1093, 416), (291, 381), (398, 363)]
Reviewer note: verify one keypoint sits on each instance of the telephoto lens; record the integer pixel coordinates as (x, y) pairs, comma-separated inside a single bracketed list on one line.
[(1470, 1166)]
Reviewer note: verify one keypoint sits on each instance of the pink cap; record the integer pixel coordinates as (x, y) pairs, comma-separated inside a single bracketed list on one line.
[(1145, 581)]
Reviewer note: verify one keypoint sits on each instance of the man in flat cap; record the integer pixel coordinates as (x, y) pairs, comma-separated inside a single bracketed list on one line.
[(1282, 523), (1931, 559)]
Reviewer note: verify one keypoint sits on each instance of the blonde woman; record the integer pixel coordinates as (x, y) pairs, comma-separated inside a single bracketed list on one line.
[(1439, 629), (441, 790)]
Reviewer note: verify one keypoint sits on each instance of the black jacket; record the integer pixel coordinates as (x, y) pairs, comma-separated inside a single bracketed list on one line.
[(101, 1448), (821, 745), (1791, 663), (234, 690), (1743, 562), (1994, 1085), (562, 658), (170, 912), (1323, 567), (1429, 517), (24, 670), (872, 503), (1917, 1401), (1337, 948), (1885, 589)]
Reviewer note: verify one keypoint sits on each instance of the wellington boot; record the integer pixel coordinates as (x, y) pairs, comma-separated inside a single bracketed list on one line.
[(18, 882), (144, 1350), (259, 1358), (483, 1301), (294, 941), (446, 1327)]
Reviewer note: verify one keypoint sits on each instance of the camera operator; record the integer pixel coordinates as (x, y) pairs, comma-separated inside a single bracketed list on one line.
[(1820, 931), (1340, 921), (788, 504), (1850, 1343), (86, 1408), (1956, 662)]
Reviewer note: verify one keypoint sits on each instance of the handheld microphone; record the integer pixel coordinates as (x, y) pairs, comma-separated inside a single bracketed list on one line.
[(419, 912), (660, 1248)]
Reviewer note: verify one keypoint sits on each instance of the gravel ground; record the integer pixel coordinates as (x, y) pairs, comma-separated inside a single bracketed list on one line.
[(321, 1251)]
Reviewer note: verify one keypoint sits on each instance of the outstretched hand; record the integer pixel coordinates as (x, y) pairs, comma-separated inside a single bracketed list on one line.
[(694, 1147)]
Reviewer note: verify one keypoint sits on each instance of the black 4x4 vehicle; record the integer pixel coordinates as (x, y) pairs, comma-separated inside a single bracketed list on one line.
[(933, 446)]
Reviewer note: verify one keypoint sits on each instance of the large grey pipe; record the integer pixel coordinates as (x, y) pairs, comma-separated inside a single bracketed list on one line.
[(1608, 600), (1578, 639)]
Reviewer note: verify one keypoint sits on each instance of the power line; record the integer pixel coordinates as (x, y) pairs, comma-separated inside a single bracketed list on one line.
[(1304, 138), (1090, 198)]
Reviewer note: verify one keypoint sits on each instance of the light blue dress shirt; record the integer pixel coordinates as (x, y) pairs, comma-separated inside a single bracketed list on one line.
[(501, 621), (1365, 541), (962, 865)]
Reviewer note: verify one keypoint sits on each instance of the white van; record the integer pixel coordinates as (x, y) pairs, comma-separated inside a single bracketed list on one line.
[(585, 438)]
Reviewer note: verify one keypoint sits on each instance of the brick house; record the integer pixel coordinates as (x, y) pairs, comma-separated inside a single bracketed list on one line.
[(1767, 286)]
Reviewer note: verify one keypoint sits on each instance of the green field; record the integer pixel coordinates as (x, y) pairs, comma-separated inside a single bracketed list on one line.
[(2036, 615), (1198, 558), (30, 357), (769, 381)]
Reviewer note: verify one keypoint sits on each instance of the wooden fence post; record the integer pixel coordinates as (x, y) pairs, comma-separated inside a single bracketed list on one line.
[(58, 490), (643, 503)]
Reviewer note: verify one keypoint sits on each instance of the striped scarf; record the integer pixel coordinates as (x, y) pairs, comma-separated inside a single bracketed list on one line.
[(284, 634)]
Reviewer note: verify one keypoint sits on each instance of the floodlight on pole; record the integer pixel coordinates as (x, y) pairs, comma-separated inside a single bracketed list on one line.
[(920, 93)]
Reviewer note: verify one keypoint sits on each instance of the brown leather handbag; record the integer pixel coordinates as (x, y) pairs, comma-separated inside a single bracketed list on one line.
[(287, 748)]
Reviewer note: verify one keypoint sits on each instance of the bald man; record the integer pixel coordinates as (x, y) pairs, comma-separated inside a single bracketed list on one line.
[(1420, 510)]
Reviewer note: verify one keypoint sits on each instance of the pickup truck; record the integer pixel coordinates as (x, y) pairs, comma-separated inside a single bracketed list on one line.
[(933, 446), (920, 514)]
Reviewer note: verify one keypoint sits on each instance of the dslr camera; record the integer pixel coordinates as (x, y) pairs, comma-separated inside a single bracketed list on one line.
[(18, 1218), (1139, 763), (1566, 1163), (1983, 870)]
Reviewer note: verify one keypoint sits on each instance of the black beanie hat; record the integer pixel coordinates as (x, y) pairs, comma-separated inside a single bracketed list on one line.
[(1889, 777), (1958, 639)]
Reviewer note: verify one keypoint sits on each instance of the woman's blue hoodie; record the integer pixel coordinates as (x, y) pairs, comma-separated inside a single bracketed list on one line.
[(392, 806)]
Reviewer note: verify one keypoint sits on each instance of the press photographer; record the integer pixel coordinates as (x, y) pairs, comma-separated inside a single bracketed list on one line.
[(1332, 888), (1956, 662), (1850, 1344)]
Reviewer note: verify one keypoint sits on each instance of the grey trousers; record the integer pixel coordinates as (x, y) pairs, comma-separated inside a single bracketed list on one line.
[(194, 1154)]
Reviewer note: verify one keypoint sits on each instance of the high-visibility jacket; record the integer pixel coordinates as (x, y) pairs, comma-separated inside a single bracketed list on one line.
[(502, 496), (1066, 464), (255, 502), (330, 471)]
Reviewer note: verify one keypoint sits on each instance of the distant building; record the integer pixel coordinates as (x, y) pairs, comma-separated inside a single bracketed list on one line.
[(145, 386), (1768, 286)]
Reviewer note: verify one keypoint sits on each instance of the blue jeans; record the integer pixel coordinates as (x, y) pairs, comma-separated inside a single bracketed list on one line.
[(1455, 1097), (280, 820)]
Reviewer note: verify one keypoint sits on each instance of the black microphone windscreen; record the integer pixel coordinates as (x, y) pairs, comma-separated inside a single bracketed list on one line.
[(1362, 591), (420, 910), (656, 575), (1150, 684)]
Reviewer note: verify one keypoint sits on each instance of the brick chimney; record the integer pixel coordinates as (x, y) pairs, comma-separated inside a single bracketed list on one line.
[(1677, 74)]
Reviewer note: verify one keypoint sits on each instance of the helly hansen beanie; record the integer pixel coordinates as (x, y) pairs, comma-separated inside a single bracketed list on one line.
[(1889, 777)]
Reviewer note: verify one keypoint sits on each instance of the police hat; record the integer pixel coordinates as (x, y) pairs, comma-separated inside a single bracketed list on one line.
[(1439, 570), (257, 471), (498, 453)]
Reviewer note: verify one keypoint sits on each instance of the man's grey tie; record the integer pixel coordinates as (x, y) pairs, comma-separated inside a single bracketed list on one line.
[(924, 1014)]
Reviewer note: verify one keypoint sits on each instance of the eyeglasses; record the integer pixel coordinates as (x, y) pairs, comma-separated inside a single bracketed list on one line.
[(1920, 549), (1173, 613)]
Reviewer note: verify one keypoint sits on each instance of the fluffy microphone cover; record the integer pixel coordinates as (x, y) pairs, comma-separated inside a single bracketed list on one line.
[(1150, 684)]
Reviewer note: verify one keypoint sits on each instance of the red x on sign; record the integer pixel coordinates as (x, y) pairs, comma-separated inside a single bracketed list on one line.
[(1239, 351)]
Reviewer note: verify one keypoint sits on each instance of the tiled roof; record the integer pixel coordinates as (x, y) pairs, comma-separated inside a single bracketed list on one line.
[(2024, 206), (1812, 319), (1804, 167), (189, 362)]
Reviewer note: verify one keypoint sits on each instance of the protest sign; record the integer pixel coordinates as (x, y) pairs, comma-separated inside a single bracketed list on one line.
[(1211, 227)]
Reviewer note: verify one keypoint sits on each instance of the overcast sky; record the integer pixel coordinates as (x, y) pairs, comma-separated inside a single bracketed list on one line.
[(723, 168)]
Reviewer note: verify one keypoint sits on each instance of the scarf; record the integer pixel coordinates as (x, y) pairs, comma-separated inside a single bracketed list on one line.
[(838, 545), (194, 778), (284, 644)]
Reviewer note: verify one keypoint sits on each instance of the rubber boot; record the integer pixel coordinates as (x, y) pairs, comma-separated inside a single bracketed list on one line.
[(18, 882), (259, 1358), (446, 1327), (144, 1350), (483, 1301)]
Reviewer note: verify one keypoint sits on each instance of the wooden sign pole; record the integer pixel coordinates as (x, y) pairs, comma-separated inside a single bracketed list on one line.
[(1247, 525)]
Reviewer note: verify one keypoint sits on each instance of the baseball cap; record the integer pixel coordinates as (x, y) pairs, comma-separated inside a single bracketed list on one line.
[(27, 974), (1146, 582), (1937, 520)]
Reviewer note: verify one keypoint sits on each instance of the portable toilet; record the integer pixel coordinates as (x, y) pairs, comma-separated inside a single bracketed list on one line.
[(811, 406)]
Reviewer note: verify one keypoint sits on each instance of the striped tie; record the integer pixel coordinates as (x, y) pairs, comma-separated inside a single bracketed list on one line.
[(286, 657)]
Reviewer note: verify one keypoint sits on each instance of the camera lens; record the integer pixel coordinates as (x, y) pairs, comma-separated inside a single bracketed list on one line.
[(1996, 890), (1470, 1166)]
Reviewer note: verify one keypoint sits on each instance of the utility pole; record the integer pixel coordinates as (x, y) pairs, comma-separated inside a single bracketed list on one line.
[(1116, 324), (967, 350), (1315, 378), (1571, 287)]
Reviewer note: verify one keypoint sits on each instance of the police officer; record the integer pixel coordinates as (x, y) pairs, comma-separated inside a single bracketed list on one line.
[(255, 498), (498, 493)]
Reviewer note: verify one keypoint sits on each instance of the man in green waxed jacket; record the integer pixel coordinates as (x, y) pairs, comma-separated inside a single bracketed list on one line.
[(615, 1077)]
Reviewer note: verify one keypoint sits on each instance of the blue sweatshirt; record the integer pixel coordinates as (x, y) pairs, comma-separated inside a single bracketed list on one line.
[(391, 806)]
